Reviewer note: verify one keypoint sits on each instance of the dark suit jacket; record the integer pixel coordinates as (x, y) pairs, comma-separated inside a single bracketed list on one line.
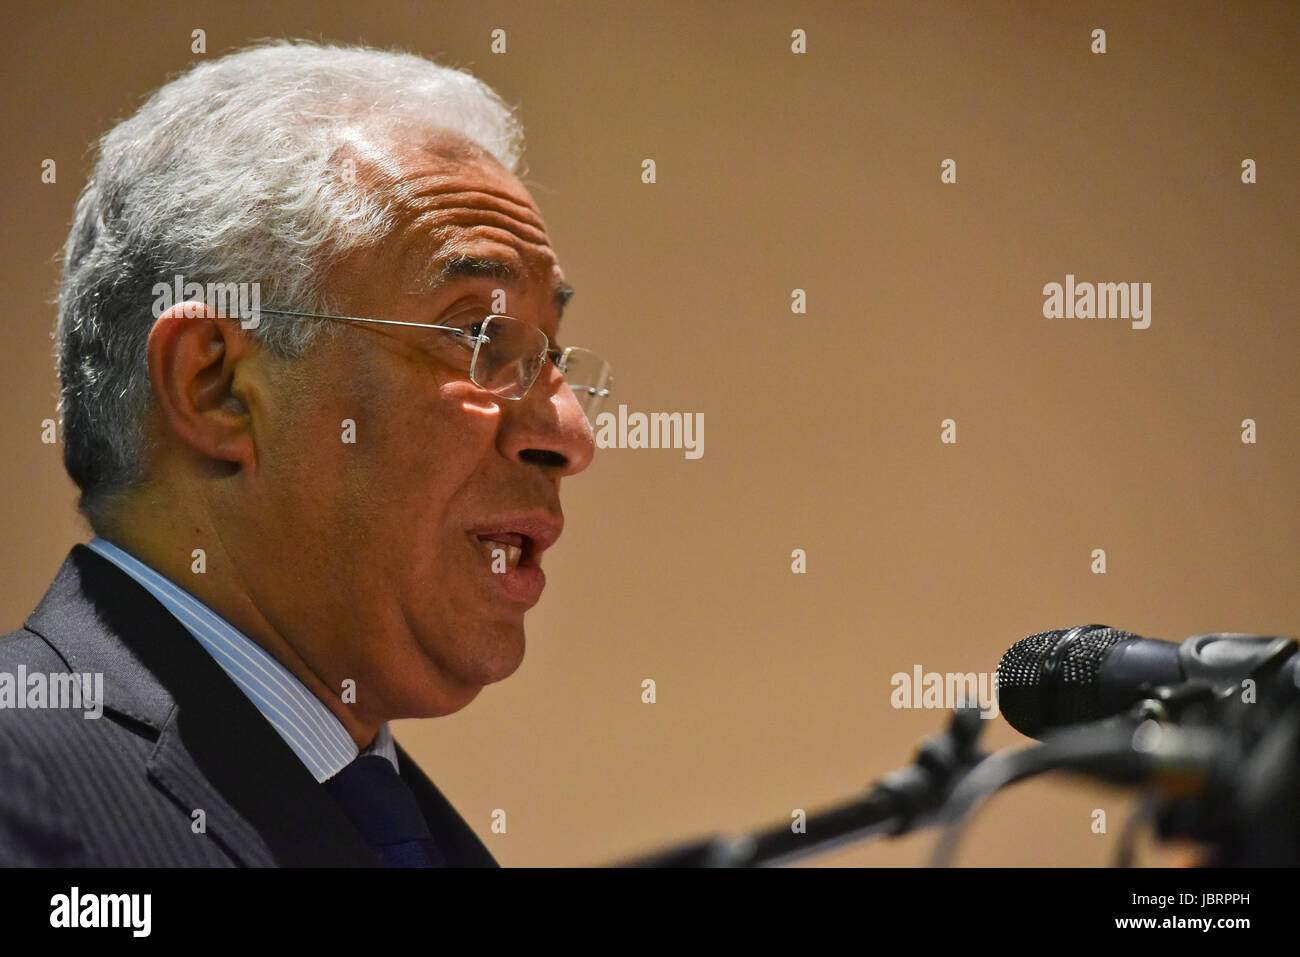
[(176, 735)]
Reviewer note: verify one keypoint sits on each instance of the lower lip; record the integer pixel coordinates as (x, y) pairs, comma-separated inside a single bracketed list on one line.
[(523, 583)]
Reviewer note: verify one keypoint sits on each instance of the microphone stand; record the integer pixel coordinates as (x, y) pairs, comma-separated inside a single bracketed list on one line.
[(898, 803)]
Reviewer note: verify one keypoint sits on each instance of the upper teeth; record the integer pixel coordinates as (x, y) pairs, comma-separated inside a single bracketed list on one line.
[(512, 553)]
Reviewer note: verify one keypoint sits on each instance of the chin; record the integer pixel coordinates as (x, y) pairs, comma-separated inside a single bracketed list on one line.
[(486, 657), (470, 679), (498, 659)]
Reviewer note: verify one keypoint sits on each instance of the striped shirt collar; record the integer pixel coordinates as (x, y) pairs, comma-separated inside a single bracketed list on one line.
[(307, 726)]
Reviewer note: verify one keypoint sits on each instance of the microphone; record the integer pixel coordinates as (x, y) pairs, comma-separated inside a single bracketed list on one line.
[(1091, 672)]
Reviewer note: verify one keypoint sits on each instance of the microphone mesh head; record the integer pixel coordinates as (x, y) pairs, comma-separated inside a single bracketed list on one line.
[(1050, 679)]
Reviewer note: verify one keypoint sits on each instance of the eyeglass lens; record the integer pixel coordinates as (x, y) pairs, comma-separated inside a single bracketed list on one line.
[(509, 355)]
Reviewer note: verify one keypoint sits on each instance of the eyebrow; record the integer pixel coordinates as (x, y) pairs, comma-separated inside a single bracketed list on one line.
[(478, 267)]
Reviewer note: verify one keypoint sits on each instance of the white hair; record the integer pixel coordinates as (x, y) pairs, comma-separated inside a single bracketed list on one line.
[(234, 172)]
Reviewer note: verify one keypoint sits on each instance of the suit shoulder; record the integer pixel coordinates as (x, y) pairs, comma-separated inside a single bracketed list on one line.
[(25, 719), (50, 714)]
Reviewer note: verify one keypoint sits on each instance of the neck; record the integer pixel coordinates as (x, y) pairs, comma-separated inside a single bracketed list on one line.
[(166, 539)]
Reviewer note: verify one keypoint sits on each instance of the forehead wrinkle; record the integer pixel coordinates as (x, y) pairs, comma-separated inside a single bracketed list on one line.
[(446, 209), (454, 241), (449, 198), (441, 172), (464, 219), (422, 193)]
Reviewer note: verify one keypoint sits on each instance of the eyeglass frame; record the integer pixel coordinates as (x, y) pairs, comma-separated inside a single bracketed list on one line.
[(548, 352)]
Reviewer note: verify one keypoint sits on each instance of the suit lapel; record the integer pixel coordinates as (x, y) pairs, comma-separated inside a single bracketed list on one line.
[(214, 750), (221, 753), (459, 845)]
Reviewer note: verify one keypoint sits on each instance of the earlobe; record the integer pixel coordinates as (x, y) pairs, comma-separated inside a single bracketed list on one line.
[(194, 358)]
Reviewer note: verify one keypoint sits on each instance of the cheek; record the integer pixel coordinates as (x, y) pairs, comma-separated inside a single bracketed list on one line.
[(321, 457), (389, 461), (306, 475), (421, 450), (416, 465)]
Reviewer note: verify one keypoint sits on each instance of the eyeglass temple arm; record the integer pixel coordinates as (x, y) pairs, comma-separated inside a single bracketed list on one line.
[(552, 352), (385, 322)]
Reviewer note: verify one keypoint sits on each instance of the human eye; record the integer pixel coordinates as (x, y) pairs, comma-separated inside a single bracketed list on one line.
[(472, 324), (465, 327)]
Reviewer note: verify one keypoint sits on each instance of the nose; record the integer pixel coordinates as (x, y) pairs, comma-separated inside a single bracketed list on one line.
[(547, 427)]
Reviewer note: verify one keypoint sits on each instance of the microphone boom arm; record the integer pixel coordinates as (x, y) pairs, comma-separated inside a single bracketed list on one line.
[(899, 802)]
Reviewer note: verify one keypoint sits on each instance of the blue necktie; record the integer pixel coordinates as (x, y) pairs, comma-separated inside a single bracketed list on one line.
[(376, 799)]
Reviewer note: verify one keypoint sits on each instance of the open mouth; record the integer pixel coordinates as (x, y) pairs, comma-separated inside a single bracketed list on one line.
[(512, 551), (517, 549)]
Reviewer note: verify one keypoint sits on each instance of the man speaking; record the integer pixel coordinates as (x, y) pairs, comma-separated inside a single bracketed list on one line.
[(313, 398)]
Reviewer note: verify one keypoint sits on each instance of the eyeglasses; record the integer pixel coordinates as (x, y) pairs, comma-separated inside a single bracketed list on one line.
[(508, 355)]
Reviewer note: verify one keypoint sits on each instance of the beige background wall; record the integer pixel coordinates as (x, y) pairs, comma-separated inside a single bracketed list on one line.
[(819, 171)]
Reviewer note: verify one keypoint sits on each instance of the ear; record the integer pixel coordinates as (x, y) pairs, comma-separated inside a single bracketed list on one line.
[(194, 367)]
